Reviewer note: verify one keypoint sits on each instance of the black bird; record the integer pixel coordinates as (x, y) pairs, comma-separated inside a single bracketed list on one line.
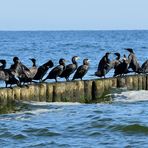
[(133, 62), (82, 70), (104, 66), (122, 67), (6, 75), (3, 74), (55, 72), (17, 68), (28, 75), (117, 60), (42, 70), (144, 67), (2, 64), (70, 68)]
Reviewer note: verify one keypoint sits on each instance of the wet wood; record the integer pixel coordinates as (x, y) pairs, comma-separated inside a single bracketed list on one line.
[(74, 91)]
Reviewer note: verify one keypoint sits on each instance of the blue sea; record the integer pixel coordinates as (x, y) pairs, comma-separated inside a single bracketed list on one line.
[(120, 122)]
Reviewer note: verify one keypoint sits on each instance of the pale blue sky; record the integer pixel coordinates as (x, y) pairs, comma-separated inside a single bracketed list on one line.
[(73, 14)]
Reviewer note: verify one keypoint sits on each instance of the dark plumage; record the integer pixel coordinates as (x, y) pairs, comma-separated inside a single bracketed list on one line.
[(117, 61), (6, 75), (133, 62), (42, 70), (144, 67), (17, 68), (2, 64), (3, 74), (104, 66), (55, 72), (82, 70), (70, 68), (28, 75), (122, 67)]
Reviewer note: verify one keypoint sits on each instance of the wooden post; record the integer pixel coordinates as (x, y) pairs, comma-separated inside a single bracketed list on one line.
[(88, 90), (16, 93), (121, 82), (135, 82), (58, 92), (49, 97), (34, 92), (42, 92), (78, 92), (144, 82), (140, 82), (129, 82), (10, 96), (69, 91), (3, 96), (24, 93), (114, 82), (97, 89)]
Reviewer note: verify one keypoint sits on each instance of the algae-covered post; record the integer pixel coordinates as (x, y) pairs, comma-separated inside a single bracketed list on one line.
[(73, 91)]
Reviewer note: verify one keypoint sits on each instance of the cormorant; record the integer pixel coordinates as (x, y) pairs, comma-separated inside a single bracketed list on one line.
[(18, 68), (55, 72), (117, 61), (133, 62), (122, 67), (144, 67), (70, 68), (3, 74), (28, 75), (104, 66), (6, 75), (42, 70), (2, 64), (82, 70)]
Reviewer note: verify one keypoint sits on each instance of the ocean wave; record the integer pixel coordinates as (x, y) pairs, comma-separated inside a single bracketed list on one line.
[(132, 128), (50, 103), (130, 96), (41, 132)]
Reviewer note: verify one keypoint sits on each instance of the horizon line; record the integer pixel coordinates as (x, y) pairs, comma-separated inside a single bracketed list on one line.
[(73, 30)]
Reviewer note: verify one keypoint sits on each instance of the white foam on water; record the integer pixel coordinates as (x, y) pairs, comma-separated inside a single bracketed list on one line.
[(131, 96), (51, 103)]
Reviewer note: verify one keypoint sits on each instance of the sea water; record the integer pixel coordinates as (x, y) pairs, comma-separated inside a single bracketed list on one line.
[(120, 122)]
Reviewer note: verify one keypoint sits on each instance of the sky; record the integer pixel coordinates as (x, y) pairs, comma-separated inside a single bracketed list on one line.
[(73, 14)]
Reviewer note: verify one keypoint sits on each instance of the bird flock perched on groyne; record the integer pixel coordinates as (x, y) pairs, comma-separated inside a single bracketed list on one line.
[(19, 74)]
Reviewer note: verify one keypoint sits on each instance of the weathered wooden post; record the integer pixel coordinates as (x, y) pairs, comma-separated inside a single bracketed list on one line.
[(97, 89), (144, 82), (58, 92), (114, 82), (16, 93), (107, 84), (10, 95), (129, 82), (34, 92), (49, 97), (140, 82), (78, 93), (147, 82), (42, 92), (88, 90), (24, 93), (121, 82), (3, 96), (135, 82), (69, 91)]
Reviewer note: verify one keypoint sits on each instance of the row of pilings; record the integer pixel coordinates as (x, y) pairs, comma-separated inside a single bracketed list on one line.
[(74, 91)]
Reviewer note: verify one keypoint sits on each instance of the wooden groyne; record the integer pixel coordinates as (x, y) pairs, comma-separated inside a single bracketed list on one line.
[(74, 91)]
